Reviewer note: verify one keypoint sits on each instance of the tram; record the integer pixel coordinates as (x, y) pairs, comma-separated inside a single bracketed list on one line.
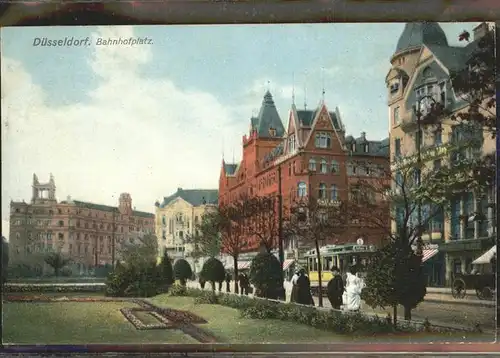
[(342, 256)]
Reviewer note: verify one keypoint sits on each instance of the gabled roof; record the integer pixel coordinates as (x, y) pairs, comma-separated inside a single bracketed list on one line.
[(195, 197), (375, 148), (453, 58), (306, 118), (268, 118)]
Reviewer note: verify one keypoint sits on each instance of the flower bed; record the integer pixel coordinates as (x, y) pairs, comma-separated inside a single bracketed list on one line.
[(130, 315), (46, 288), (42, 298)]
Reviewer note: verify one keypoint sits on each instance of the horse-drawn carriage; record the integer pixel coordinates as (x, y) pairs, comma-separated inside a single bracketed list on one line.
[(483, 282)]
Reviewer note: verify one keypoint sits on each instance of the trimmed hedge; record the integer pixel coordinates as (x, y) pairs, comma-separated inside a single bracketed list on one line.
[(335, 321), (53, 288)]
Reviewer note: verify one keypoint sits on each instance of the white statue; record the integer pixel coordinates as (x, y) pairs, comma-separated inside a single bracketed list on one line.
[(352, 295)]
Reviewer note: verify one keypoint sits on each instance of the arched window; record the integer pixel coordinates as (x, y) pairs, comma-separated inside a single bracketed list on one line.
[(335, 167), (427, 72), (323, 167), (312, 164), (302, 189), (322, 191), (333, 193)]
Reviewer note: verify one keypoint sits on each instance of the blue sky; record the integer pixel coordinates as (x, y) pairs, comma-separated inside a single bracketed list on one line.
[(149, 119)]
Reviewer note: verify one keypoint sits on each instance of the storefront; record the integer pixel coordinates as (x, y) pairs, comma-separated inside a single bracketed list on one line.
[(434, 265)]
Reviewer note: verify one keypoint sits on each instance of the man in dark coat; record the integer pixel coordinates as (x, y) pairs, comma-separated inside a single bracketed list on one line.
[(202, 282), (335, 289), (304, 295), (244, 282), (228, 282)]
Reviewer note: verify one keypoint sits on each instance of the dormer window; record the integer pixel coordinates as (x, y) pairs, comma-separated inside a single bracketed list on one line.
[(291, 143), (323, 140), (272, 132), (366, 148), (394, 87), (353, 146)]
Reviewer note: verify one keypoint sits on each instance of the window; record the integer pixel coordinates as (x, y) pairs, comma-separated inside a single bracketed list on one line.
[(291, 144), (333, 192), (438, 140), (302, 189), (335, 167), (419, 139), (312, 164), (323, 168), (437, 164), (397, 148), (60, 236), (61, 223), (442, 93), (351, 169), (323, 140), (322, 191), (366, 147), (396, 119)]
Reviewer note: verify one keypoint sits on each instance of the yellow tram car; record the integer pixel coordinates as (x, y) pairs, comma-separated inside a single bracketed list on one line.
[(342, 256)]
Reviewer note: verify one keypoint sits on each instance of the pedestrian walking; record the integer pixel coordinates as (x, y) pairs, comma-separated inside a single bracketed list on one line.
[(352, 295), (335, 289), (293, 281), (228, 282), (304, 295)]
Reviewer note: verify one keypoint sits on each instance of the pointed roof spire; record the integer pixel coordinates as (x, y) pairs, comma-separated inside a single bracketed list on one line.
[(323, 80), (269, 118)]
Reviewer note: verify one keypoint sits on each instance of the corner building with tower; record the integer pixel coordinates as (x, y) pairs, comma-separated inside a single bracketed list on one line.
[(90, 234), (311, 156), (421, 67)]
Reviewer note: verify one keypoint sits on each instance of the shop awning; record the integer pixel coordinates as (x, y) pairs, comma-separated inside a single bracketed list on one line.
[(486, 257), (287, 263), (242, 265), (428, 254)]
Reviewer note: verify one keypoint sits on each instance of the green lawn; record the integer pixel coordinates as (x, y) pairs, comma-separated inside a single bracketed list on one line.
[(78, 323), (228, 326)]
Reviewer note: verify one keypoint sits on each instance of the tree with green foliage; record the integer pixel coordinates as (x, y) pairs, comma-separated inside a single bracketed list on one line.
[(141, 252), (206, 239), (315, 221), (182, 271), (166, 270), (395, 277), (213, 271), (266, 275), (470, 169), (57, 260)]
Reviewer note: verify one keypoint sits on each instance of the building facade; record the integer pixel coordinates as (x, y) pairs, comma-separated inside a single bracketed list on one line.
[(421, 67), (312, 156), (90, 234), (177, 217)]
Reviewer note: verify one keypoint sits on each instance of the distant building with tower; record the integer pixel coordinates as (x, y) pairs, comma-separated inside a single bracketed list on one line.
[(90, 234), (177, 217)]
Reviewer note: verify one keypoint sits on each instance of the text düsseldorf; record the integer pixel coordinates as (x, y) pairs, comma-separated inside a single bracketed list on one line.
[(66, 42)]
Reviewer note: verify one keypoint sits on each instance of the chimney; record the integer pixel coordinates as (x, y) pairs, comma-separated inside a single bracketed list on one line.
[(480, 30)]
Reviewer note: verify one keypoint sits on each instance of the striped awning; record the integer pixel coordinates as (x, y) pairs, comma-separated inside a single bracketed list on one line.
[(427, 254), (242, 265), (287, 263)]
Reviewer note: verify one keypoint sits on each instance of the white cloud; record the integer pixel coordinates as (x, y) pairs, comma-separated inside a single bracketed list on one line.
[(142, 136)]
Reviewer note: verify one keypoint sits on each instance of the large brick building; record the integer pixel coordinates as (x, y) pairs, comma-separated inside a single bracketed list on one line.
[(88, 233), (315, 158)]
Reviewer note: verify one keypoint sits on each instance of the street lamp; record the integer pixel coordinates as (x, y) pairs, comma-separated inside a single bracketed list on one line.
[(431, 102)]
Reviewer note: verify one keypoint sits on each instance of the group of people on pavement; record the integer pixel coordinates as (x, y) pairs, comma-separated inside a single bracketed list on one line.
[(243, 280), (341, 295)]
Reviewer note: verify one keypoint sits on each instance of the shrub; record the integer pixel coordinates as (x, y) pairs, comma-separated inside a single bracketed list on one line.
[(166, 270), (266, 275), (182, 271), (213, 271), (177, 290), (134, 281), (207, 297), (66, 272)]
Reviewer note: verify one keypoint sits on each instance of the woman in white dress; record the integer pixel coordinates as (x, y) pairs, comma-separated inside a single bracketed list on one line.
[(352, 295)]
